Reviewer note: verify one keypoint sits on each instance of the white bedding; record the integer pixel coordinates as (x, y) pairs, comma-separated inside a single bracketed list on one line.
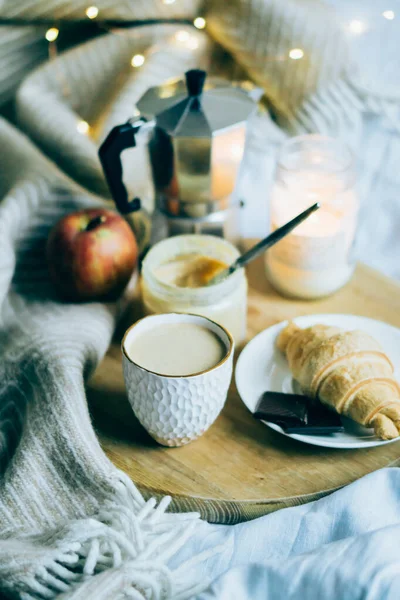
[(343, 547)]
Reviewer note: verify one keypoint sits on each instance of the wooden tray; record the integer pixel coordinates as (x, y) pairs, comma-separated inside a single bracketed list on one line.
[(240, 469)]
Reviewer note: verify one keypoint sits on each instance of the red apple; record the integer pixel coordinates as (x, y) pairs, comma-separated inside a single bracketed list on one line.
[(91, 255)]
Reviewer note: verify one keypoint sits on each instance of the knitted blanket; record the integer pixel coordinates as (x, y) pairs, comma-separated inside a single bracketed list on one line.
[(71, 523)]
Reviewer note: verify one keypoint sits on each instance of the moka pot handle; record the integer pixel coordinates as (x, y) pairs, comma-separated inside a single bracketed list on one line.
[(119, 139)]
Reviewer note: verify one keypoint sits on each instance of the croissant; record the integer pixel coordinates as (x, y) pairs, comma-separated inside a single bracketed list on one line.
[(347, 371)]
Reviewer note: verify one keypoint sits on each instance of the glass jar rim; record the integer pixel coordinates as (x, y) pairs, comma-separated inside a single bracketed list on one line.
[(201, 295), (316, 137)]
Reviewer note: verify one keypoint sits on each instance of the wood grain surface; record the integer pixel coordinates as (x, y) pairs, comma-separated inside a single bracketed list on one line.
[(240, 469)]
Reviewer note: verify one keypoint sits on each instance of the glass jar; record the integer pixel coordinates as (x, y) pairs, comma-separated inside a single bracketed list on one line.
[(224, 302), (316, 259)]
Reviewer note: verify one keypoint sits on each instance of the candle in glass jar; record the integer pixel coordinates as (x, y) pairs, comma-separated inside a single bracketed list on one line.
[(227, 152), (315, 259)]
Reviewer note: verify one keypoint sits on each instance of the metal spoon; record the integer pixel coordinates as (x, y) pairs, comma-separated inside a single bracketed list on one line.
[(262, 246)]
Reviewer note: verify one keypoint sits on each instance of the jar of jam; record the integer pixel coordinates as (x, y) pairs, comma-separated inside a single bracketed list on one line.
[(175, 278)]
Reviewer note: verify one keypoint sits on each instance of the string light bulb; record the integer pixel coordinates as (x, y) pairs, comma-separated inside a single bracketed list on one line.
[(192, 44), (82, 127), (92, 12), (137, 60), (388, 14), (199, 22), (296, 53), (357, 27), (52, 34), (182, 36)]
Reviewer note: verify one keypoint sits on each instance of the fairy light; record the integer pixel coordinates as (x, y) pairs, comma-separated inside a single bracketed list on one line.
[(52, 34), (82, 127), (168, 1), (137, 60), (357, 27), (388, 14), (92, 12), (199, 22), (296, 53), (316, 159), (182, 36), (192, 44)]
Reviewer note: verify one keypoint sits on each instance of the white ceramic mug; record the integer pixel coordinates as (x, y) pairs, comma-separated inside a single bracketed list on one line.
[(176, 410)]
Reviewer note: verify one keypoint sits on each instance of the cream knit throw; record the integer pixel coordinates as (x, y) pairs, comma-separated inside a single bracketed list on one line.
[(70, 522)]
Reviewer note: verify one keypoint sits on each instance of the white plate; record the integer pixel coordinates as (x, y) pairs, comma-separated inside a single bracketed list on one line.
[(261, 367)]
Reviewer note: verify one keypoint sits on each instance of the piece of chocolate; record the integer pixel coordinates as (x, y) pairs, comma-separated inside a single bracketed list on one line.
[(297, 414), (321, 421), (283, 409)]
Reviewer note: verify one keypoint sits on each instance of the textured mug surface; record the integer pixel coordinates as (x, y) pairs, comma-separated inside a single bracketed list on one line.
[(176, 410)]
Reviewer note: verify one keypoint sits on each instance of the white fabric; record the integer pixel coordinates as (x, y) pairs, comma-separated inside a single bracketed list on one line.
[(343, 547)]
